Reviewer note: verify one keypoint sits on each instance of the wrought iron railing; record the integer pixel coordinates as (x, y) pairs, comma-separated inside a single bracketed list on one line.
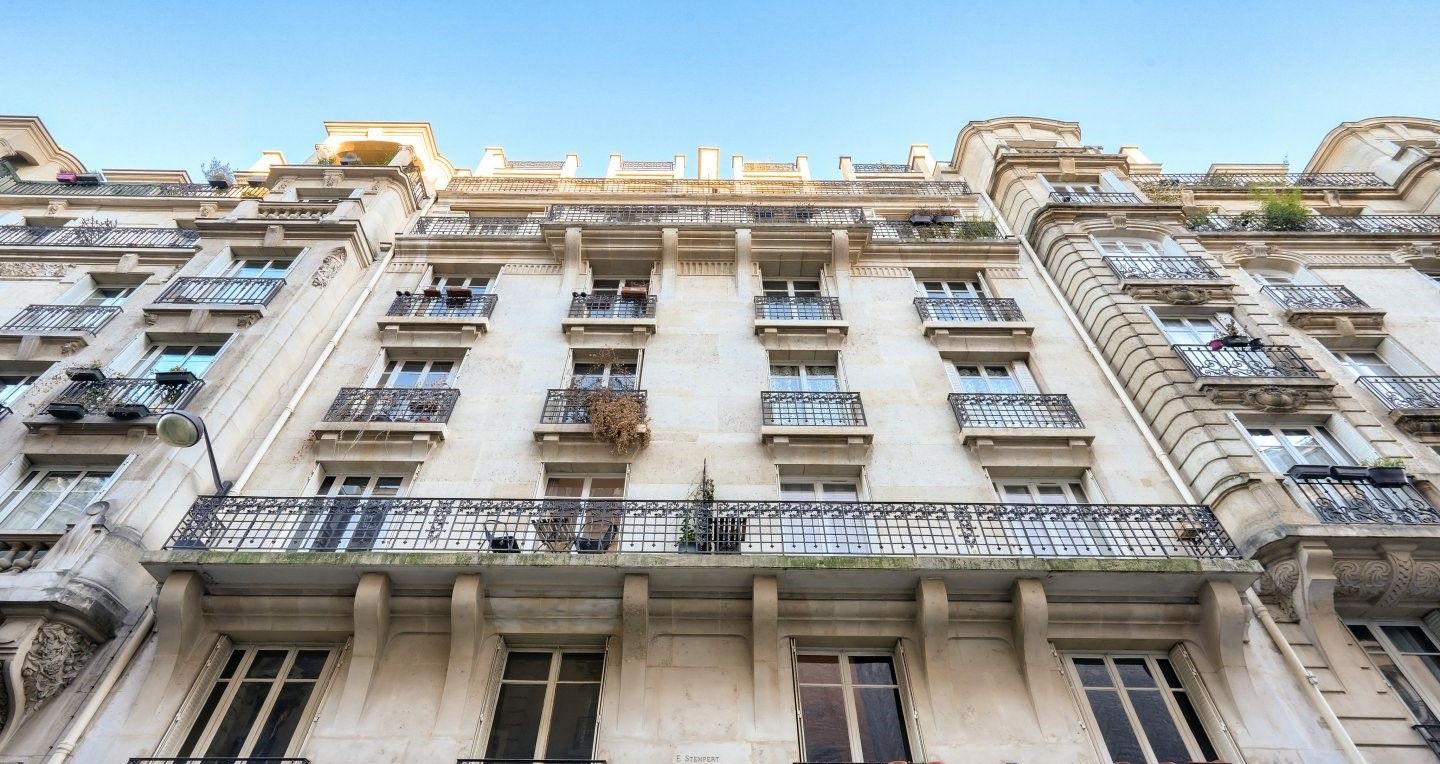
[(647, 166), (682, 187), (1404, 393), (532, 761), (121, 398), (611, 306), (219, 760), (804, 409), (1014, 410), (354, 524), (880, 167), (1244, 181), (1093, 197), (96, 236), (416, 181), (1346, 501), (697, 214), (904, 231), (10, 184), (1319, 224), (431, 405), (469, 226), (1167, 268), (772, 307), (1314, 297), (22, 550), (474, 306), (1244, 362), (62, 318), (221, 290), (968, 309), (572, 405)]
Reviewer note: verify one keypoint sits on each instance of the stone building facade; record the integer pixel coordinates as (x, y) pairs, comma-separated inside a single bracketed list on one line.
[(1034, 453)]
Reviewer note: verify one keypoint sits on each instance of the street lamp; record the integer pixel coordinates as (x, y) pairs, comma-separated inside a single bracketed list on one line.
[(183, 430)]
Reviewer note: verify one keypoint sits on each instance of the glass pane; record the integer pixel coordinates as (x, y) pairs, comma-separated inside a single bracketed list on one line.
[(266, 664), (822, 717), (797, 492), (1308, 448), (308, 664), (607, 488), (232, 664), (1171, 678), (1158, 725), (817, 669), (572, 721), (387, 486), (872, 669), (1092, 672), (1134, 673), (43, 493), (235, 726), (284, 718), (840, 492), (528, 666), (355, 485), (581, 667), (1115, 728), (516, 726), (1409, 639), (564, 487), (1016, 494), (202, 719), (1271, 450), (1197, 730), (880, 721)]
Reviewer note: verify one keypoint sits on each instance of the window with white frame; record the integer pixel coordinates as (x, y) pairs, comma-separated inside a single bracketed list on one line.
[(1286, 445), (611, 486), (792, 300), (1408, 658), (1139, 709), (579, 524), (999, 378), (1041, 491), (355, 518), (14, 386), (260, 267), (416, 373), (804, 377), (1127, 246), (107, 296), (50, 498), (547, 705), (1071, 187), (851, 707), (1194, 330), (259, 704), (822, 532), (606, 373), (954, 289), (476, 284), (790, 287), (619, 287), (195, 359), (1365, 363)]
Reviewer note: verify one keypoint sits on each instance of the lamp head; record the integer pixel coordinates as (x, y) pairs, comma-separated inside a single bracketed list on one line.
[(180, 429)]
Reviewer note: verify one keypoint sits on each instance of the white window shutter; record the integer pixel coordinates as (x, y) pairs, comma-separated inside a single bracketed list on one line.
[(1110, 182), (1023, 377), (953, 376)]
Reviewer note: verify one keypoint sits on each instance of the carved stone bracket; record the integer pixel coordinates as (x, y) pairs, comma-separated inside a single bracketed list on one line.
[(1276, 587), (57, 207), (1393, 577), (57, 654), (209, 210), (328, 267)]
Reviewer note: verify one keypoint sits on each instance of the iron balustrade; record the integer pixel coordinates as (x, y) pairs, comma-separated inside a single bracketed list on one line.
[(805, 409), (1404, 393), (692, 187), (1094, 197), (647, 166), (5, 411), (563, 526), (904, 231), (697, 214), (123, 398), (469, 226), (97, 236), (611, 306), (779, 307), (219, 760), (1050, 150), (474, 306), (416, 182), (1314, 297), (1320, 224), (11, 184), (572, 405), (1168, 268), (221, 290), (1046, 410), (1346, 501), (1243, 181), (62, 318), (880, 167), (427, 405), (1264, 362), (968, 309)]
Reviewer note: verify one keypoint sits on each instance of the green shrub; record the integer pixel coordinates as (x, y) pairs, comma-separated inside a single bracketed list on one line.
[(1281, 209)]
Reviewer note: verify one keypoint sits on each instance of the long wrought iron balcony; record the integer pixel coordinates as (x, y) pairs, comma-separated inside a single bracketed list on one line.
[(1314, 297), (1263, 362), (424, 306), (697, 214), (572, 405), (803, 409), (559, 526), (61, 318), (1405, 393), (1243, 181), (454, 225), (968, 309), (225, 290), (611, 306), (1360, 501), (219, 760), (1093, 197), (1162, 268), (121, 398), (1321, 224), (681, 187), (788, 308), (1015, 410), (904, 231), (96, 236), (10, 184), (420, 405)]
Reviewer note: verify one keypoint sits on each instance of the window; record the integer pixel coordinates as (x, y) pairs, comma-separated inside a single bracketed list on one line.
[(192, 358), (1041, 491), (1126, 247), (107, 296), (819, 533), (614, 287), (1284, 446), (851, 707), (966, 289), (260, 268), (50, 499), (1072, 189), (790, 287), (578, 525), (1184, 330), (258, 703), (14, 386), (476, 284), (606, 374), (585, 487), (804, 378), (416, 374), (1408, 658), (1266, 277), (999, 379), (1140, 709), (350, 522), (1365, 363), (547, 705)]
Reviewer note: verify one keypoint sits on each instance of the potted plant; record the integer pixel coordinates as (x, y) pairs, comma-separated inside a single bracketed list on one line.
[(66, 411), (946, 218), (1387, 471), (1349, 472), (176, 375), (458, 293), (500, 542), (1230, 336), (633, 291), (218, 174), (433, 292), (1281, 210), (1308, 472), (128, 411), (687, 543), (921, 218), (65, 176), (86, 374)]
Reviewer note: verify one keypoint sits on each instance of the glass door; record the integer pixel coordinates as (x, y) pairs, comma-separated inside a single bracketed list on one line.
[(822, 523)]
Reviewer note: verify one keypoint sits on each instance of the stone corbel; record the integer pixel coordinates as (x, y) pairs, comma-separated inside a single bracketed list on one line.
[(1030, 633), (465, 674), (634, 651), (1067, 168), (274, 236), (57, 207), (765, 656), (181, 643), (932, 624), (372, 632), (1223, 617), (1117, 219)]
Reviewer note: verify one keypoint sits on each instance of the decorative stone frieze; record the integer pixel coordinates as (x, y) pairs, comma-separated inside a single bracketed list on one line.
[(57, 654)]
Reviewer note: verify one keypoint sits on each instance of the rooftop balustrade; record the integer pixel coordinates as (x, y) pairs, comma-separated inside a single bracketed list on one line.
[(1244, 181), (692, 187)]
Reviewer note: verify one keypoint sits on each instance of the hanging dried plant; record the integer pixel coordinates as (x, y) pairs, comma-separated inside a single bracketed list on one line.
[(617, 418)]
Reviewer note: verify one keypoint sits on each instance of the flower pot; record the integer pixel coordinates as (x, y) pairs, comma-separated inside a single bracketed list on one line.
[(1215, 344), (174, 377), (1309, 472), (1340, 472), (1237, 342), (87, 374), (67, 411), (1389, 477), (66, 177), (946, 220), (89, 179), (504, 544), (220, 181), (433, 292), (635, 293), (688, 547), (919, 219), (128, 411), (458, 293)]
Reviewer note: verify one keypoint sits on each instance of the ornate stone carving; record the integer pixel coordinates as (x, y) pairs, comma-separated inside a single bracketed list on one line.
[(1274, 398), (151, 319), (331, 178), (1362, 579), (34, 270), (208, 209), (282, 185), (1277, 584), (1183, 295), (57, 654), (57, 207), (71, 348), (246, 320), (328, 267)]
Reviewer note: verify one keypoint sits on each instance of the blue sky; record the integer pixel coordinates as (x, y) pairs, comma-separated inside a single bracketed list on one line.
[(159, 84)]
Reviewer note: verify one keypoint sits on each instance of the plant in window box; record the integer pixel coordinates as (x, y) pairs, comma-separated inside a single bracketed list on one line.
[(1308, 472), (176, 375), (635, 291), (218, 174), (86, 374), (91, 229), (128, 411), (617, 418), (1230, 336), (1350, 472), (1281, 210), (1387, 471)]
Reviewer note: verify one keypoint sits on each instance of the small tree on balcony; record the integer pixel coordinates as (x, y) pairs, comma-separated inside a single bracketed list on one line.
[(1281, 209)]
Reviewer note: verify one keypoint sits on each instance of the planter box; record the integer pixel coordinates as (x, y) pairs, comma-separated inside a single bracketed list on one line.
[(174, 377), (1389, 477), (921, 219), (87, 374), (432, 292), (504, 544), (1340, 472), (1309, 472), (67, 411), (688, 547), (66, 177), (946, 220), (458, 293), (129, 411)]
